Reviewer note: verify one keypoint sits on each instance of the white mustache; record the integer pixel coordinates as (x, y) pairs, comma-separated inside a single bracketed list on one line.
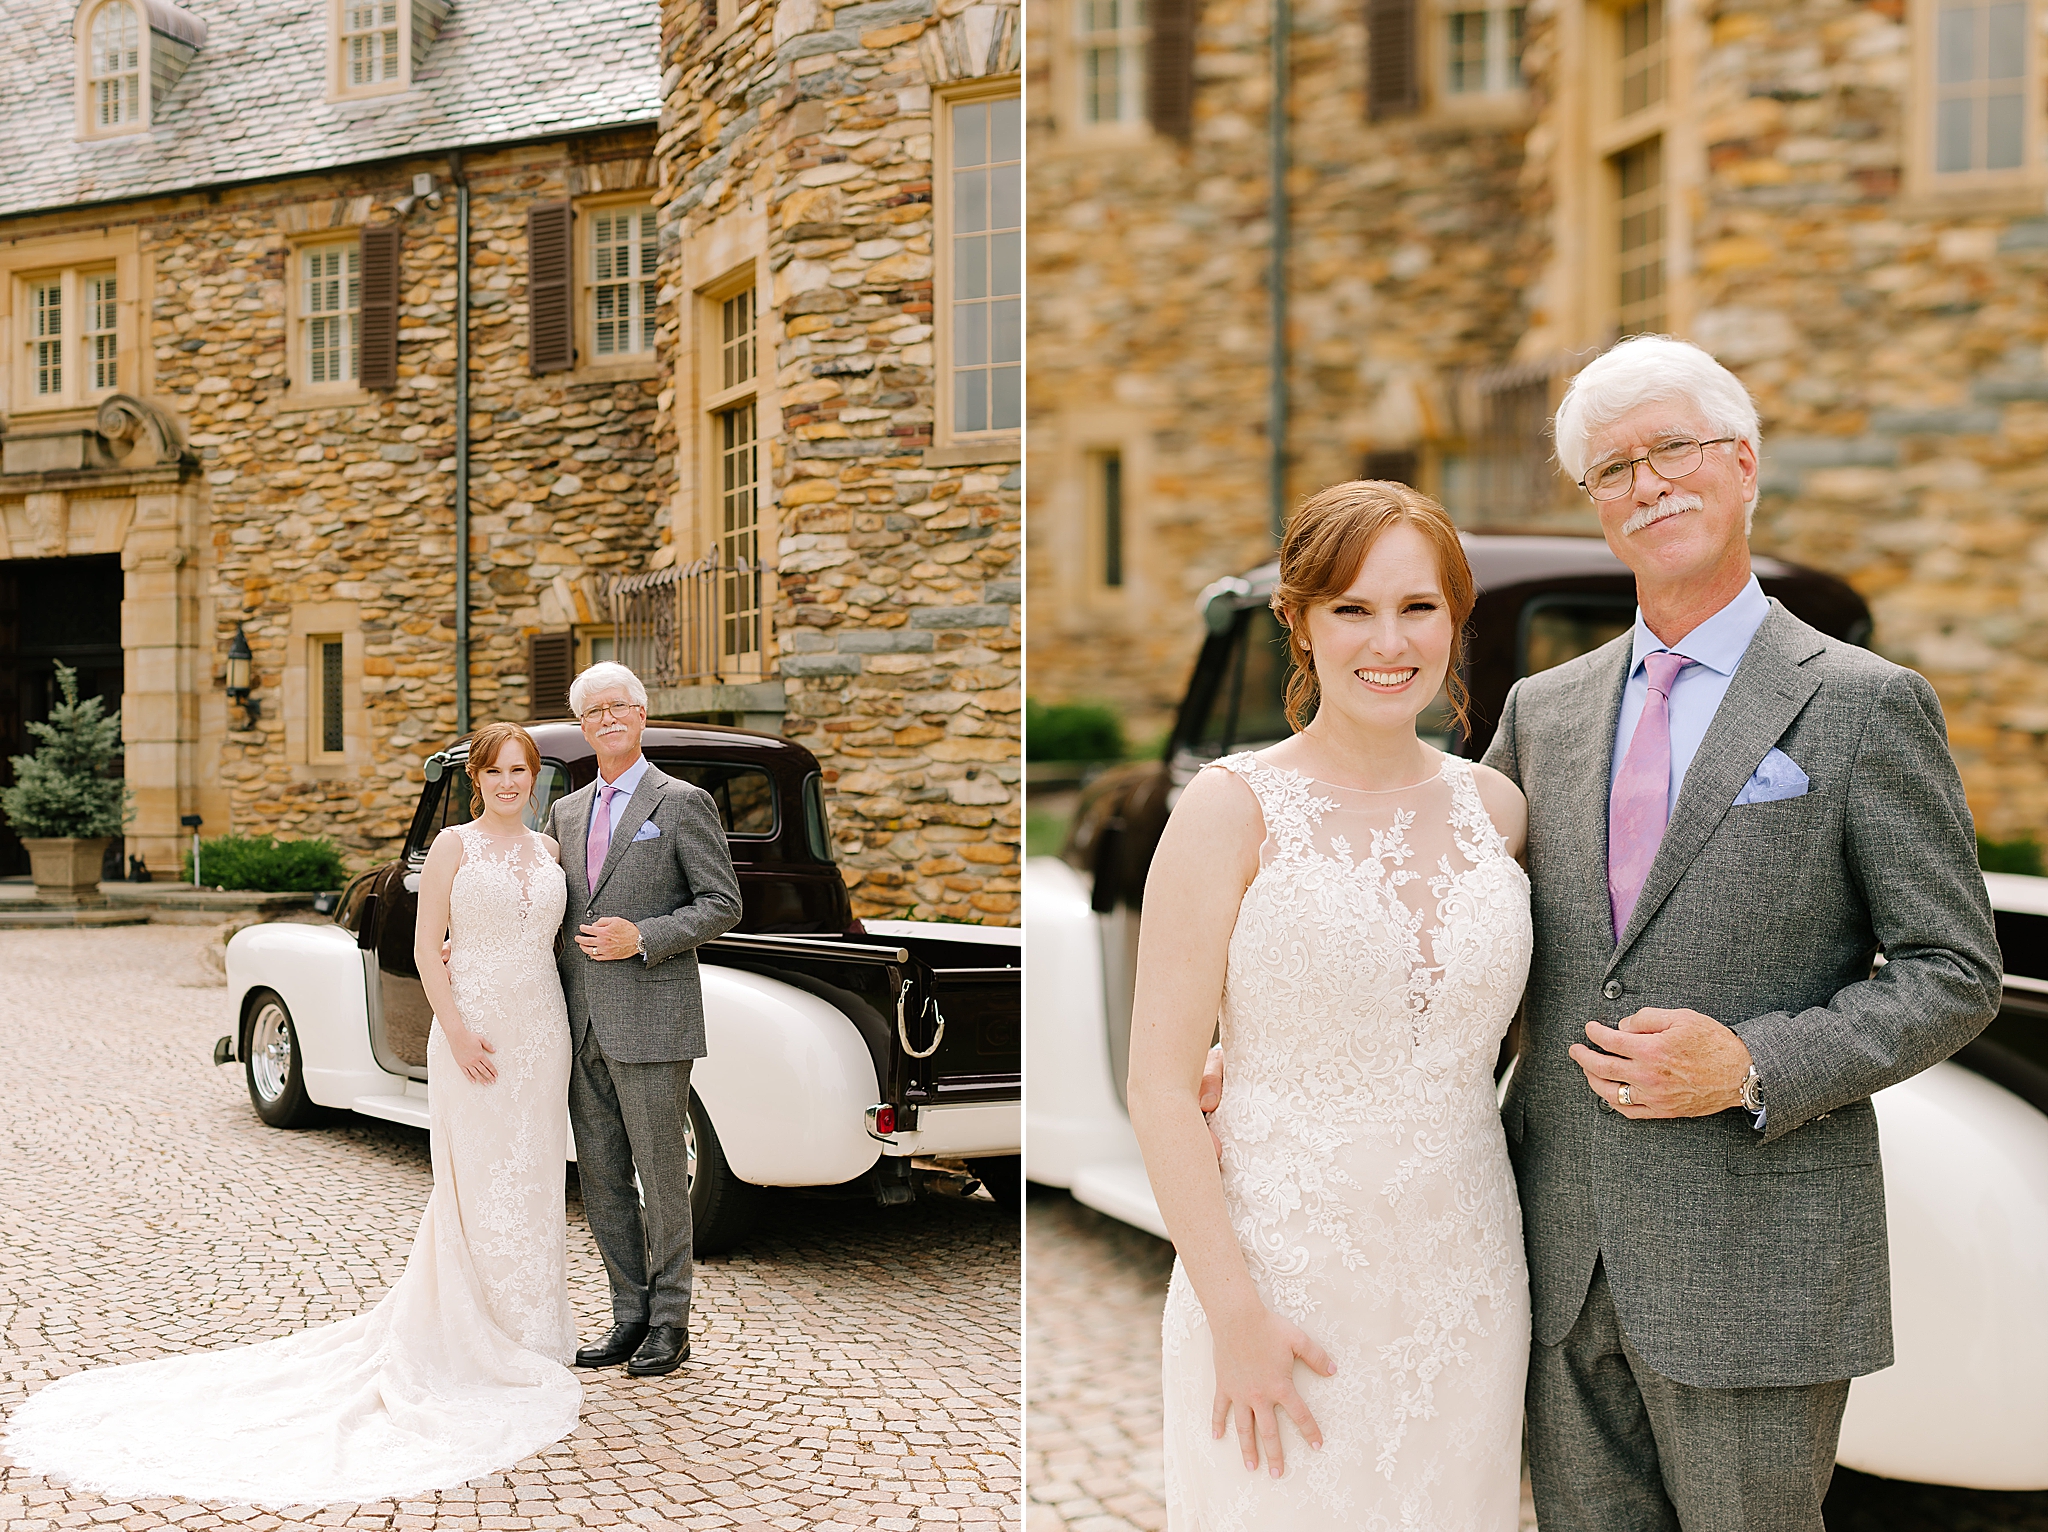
[(1670, 505)]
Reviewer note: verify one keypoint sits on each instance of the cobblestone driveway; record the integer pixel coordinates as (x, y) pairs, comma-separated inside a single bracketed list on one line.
[(851, 1366)]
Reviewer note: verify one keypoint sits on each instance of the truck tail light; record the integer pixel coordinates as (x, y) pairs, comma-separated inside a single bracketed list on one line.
[(885, 1119)]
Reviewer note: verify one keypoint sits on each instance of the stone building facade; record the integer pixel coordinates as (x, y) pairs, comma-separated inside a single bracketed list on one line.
[(847, 181), (1814, 191), (253, 429)]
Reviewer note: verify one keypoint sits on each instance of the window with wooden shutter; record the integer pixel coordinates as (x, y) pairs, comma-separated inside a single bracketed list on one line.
[(550, 667), (550, 335), (377, 360), (1390, 85), (1170, 67)]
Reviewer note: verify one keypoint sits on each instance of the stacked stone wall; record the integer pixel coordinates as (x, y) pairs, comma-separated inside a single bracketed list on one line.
[(895, 619), (1150, 296), (356, 503), (1895, 347)]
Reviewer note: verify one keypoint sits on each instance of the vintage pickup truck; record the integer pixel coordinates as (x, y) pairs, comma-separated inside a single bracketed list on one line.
[(839, 1054), (1965, 1145)]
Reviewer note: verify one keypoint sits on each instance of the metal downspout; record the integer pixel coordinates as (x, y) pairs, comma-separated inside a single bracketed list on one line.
[(1283, 26), (461, 442)]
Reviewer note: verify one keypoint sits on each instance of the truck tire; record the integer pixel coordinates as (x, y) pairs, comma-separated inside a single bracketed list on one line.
[(273, 1065), (1002, 1175), (722, 1206)]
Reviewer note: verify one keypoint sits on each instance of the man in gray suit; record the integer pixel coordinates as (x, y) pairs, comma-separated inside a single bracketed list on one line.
[(1730, 816), (650, 879)]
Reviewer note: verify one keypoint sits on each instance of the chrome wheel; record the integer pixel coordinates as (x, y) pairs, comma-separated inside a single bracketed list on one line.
[(270, 1051), (689, 1149)]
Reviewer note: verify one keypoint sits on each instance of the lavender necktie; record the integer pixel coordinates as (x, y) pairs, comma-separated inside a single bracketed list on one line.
[(1641, 800), (600, 838)]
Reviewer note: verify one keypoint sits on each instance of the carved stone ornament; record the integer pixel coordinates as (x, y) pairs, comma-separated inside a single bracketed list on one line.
[(138, 433)]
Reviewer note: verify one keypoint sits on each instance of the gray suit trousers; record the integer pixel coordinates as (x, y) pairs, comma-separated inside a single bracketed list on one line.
[(1614, 1446), (625, 1117)]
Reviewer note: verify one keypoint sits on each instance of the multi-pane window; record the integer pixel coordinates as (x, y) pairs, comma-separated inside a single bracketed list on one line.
[(326, 722), (369, 41), (1638, 174), (100, 345), (739, 502), (1483, 50), (622, 270), (332, 298), (46, 337), (1642, 56), (986, 299), (736, 338), (1980, 60), (115, 79), (1109, 41)]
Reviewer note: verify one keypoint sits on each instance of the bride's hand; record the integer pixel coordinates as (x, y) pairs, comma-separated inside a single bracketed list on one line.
[(1255, 1359), (470, 1050)]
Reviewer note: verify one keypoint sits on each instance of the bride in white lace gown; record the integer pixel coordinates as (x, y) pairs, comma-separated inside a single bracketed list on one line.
[(460, 1370), (1350, 1293)]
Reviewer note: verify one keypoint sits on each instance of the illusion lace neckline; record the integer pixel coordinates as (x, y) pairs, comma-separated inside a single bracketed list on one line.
[(1443, 760)]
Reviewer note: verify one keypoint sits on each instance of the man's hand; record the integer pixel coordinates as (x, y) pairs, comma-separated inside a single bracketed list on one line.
[(1674, 1063), (609, 939), (1210, 1096)]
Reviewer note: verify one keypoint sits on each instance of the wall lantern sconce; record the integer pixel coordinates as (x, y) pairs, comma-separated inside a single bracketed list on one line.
[(241, 678)]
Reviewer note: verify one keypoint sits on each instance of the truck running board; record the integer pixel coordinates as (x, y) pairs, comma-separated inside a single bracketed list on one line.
[(410, 1110)]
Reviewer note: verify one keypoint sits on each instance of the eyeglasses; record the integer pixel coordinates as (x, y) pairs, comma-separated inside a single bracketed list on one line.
[(606, 710), (1672, 459)]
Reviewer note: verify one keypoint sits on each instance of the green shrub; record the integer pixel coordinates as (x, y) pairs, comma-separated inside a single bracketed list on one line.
[(1072, 731), (2020, 855), (63, 789), (262, 864)]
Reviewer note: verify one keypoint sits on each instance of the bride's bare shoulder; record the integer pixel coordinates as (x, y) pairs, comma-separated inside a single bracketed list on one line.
[(1219, 802), (554, 847), (1505, 805)]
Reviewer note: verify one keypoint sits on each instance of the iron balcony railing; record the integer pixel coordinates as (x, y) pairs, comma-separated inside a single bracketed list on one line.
[(694, 624)]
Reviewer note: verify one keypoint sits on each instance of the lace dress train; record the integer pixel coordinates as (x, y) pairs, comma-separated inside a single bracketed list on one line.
[(1376, 962), (461, 1369)]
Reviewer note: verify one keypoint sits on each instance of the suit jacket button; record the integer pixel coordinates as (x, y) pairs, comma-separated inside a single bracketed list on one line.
[(1613, 989)]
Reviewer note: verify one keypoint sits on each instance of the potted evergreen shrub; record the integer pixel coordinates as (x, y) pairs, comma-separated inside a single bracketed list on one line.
[(63, 804)]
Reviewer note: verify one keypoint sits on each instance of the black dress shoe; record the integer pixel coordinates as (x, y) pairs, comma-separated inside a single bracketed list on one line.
[(666, 1348), (614, 1348)]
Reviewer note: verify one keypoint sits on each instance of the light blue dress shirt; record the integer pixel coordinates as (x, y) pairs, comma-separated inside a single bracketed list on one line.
[(629, 779), (1717, 647)]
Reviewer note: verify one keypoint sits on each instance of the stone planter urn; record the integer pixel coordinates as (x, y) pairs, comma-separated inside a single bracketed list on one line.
[(66, 868)]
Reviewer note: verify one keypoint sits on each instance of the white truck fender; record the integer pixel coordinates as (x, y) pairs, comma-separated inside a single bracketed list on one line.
[(787, 1082), (1966, 1196), (320, 974), (1073, 1116)]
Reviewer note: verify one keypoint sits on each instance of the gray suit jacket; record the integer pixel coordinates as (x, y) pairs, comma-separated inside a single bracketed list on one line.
[(677, 887), (1740, 1258)]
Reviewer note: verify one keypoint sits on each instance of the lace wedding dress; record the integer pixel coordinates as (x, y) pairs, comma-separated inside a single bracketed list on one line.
[(1377, 960), (460, 1371)]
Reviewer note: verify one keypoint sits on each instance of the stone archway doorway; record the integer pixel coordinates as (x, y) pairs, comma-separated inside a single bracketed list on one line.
[(54, 610)]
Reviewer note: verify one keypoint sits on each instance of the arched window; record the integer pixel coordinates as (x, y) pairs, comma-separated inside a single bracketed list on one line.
[(114, 78)]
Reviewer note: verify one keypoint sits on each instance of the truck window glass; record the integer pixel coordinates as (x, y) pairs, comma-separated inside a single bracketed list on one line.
[(547, 792), (1559, 628), (1249, 710), (745, 794), (817, 828)]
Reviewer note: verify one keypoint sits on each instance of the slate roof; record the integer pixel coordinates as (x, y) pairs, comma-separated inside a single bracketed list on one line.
[(253, 102)]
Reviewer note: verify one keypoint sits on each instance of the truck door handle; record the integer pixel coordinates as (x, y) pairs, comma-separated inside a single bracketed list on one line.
[(903, 1024), (412, 883)]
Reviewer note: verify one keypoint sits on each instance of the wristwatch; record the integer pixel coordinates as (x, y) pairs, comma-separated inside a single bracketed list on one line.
[(1753, 1092), (640, 951)]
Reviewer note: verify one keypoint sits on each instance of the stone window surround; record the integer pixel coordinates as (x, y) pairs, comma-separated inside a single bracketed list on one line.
[(714, 400), (1072, 120), (81, 31), (944, 98), (590, 368), (1980, 191), (299, 392), (70, 254), (715, 262), (338, 87), (1587, 205), (1433, 47), (1072, 509), (300, 691)]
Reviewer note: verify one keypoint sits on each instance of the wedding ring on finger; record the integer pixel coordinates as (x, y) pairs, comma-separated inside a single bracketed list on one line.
[(1625, 1098)]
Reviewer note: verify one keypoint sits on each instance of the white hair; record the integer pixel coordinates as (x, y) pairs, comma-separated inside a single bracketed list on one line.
[(601, 675), (1653, 369)]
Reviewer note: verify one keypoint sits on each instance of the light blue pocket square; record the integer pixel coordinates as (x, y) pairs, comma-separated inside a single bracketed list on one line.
[(652, 831), (1777, 777)]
